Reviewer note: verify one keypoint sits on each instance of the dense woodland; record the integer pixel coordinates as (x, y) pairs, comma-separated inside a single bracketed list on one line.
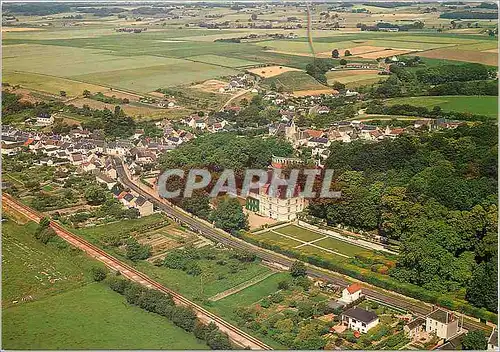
[(226, 151), (416, 79), (436, 194)]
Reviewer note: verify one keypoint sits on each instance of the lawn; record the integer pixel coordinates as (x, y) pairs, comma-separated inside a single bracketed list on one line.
[(299, 233), (482, 105), (340, 246), (31, 268), (275, 239), (92, 317)]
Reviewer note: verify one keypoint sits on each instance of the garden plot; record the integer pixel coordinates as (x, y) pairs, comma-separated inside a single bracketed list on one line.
[(166, 238)]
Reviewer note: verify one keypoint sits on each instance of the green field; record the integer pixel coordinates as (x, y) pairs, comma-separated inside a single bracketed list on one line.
[(50, 303), (481, 105), (140, 73), (293, 81), (92, 317), (32, 270), (214, 279), (49, 84), (222, 61), (227, 306), (96, 233)]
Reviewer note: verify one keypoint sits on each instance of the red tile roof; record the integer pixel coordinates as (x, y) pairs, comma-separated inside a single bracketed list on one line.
[(353, 288)]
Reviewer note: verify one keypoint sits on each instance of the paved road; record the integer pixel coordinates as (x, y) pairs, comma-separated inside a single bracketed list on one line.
[(405, 303)]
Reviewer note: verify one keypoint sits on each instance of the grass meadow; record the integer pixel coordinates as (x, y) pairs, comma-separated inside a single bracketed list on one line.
[(482, 105), (91, 317), (50, 302)]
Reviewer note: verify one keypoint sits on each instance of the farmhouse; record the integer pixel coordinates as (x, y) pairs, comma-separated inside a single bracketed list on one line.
[(359, 319)]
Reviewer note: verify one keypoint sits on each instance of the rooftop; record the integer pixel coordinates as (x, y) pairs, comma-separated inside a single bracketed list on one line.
[(360, 314)]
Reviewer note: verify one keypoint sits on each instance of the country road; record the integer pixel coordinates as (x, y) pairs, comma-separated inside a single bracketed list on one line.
[(202, 227)]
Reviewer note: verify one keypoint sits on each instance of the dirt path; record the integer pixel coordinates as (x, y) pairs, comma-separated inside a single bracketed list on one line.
[(237, 95), (241, 287)]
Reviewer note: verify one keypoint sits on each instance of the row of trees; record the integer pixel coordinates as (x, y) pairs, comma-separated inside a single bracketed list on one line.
[(160, 303)]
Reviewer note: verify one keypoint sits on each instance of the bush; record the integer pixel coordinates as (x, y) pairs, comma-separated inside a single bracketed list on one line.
[(137, 251), (118, 284), (276, 297), (98, 273), (284, 285), (184, 317)]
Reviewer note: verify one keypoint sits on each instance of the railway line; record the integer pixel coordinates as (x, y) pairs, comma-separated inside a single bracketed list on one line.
[(235, 334), (416, 307)]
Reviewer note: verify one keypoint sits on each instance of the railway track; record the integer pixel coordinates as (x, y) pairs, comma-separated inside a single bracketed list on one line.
[(416, 307), (236, 335)]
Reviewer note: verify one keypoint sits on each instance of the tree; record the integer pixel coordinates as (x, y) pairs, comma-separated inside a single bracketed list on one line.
[(86, 93), (475, 340), (95, 195), (298, 269), (347, 53), (338, 86), (482, 290), (229, 215), (335, 54), (198, 204), (136, 251), (98, 273), (62, 93), (343, 62)]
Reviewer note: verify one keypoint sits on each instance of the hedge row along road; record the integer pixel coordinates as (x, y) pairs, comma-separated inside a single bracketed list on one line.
[(236, 335), (409, 304)]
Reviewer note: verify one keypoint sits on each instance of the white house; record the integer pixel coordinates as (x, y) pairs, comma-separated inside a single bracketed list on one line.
[(493, 341), (351, 293), (144, 206), (45, 119), (359, 319), (442, 323)]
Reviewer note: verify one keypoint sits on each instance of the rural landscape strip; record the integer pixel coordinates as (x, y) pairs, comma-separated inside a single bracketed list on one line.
[(198, 225), (235, 334)]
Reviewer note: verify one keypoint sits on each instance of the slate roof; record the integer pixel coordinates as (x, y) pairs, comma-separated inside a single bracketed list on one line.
[(360, 314)]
